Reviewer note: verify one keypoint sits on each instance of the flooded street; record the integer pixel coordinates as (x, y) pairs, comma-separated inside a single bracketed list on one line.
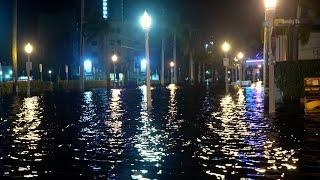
[(191, 132)]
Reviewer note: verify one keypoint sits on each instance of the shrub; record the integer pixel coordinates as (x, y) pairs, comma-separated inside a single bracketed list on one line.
[(290, 77)]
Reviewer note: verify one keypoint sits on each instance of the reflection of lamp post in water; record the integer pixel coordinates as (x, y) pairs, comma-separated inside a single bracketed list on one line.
[(114, 59), (145, 22), (172, 71), (28, 49)]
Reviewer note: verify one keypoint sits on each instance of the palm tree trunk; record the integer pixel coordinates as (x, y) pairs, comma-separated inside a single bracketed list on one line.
[(175, 57), (14, 47), (162, 61), (191, 68), (203, 72)]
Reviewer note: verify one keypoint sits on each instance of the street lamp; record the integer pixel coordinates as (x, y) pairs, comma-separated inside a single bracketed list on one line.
[(240, 57), (225, 48), (145, 22), (28, 49), (114, 59), (50, 73), (270, 7), (172, 71)]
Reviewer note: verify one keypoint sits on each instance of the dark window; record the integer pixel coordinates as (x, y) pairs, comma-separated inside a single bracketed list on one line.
[(118, 30), (119, 42)]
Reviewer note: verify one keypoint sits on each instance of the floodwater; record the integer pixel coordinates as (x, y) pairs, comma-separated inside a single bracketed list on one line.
[(190, 133)]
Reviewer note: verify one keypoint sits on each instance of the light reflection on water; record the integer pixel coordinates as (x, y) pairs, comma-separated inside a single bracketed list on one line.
[(27, 136), (112, 134), (245, 147)]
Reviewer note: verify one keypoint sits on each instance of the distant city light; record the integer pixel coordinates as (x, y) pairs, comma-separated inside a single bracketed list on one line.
[(7, 76), (206, 46), (259, 66), (10, 72), (143, 65), (211, 42), (1, 73), (87, 66), (50, 72)]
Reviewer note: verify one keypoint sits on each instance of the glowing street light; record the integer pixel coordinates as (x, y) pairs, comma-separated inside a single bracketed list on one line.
[(172, 64), (225, 48), (50, 73), (270, 4), (240, 56), (270, 7), (114, 59), (146, 22), (28, 49)]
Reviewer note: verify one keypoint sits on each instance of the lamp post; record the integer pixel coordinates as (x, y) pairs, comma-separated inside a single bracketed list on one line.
[(28, 49), (270, 7), (172, 71), (145, 22), (114, 59), (240, 57), (50, 73), (226, 47)]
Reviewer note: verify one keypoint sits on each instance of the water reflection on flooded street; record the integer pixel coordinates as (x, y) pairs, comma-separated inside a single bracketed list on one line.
[(190, 132)]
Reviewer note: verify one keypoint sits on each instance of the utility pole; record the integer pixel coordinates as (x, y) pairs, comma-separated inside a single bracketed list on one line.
[(14, 47), (81, 47)]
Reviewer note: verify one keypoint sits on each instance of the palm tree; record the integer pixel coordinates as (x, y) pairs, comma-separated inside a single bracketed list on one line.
[(176, 27), (14, 47), (188, 50), (164, 34), (202, 57)]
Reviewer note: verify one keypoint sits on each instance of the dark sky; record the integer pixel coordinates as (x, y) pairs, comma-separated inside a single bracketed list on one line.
[(238, 21)]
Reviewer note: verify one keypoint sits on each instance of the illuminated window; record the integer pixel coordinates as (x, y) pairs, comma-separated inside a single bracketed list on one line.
[(105, 9)]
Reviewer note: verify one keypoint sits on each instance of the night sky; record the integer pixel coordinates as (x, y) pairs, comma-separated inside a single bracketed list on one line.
[(238, 21)]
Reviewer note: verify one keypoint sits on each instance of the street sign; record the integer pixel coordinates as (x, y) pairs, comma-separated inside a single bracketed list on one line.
[(226, 61), (286, 22)]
